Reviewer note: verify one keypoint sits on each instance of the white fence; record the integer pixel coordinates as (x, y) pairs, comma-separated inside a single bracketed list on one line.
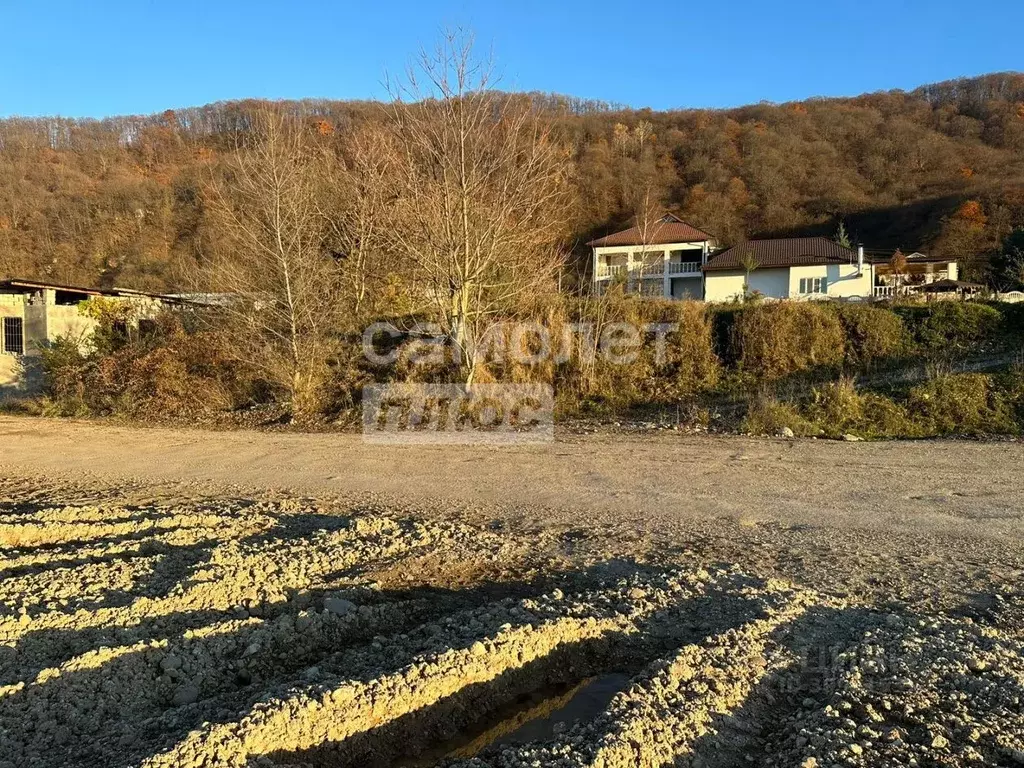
[(890, 291)]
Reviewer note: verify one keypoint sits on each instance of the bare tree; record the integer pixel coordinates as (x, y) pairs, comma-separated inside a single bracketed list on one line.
[(283, 312), (649, 218), (482, 199), (361, 187)]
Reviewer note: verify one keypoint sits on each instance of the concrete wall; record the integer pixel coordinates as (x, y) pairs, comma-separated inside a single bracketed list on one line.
[(45, 321), (68, 321), (687, 288)]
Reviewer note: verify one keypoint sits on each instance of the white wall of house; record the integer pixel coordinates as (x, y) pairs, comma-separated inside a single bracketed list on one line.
[(691, 288), (724, 285), (842, 281), (732, 284)]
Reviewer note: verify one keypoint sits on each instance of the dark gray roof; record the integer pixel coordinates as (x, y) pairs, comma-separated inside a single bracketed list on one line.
[(944, 286), (784, 252)]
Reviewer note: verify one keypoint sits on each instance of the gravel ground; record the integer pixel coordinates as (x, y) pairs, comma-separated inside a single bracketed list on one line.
[(146, 621)]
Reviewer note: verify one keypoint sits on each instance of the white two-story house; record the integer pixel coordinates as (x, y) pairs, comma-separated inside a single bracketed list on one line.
[(664, 259)]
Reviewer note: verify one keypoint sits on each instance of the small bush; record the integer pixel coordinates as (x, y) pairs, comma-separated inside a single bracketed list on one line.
[(1011, 385), (873, 333), (965, 403), (690, 363), (767, 416), (778, 338)]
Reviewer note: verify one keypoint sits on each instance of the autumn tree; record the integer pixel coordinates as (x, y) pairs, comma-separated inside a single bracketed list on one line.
[(281, 284), (482, 197), (1008, 263), (360, 184), (898, 266)]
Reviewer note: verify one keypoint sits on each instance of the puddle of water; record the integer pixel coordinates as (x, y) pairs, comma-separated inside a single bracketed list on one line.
[(532, 717)]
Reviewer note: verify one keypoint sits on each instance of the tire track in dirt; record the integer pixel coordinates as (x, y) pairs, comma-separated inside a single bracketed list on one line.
[(281, 633)]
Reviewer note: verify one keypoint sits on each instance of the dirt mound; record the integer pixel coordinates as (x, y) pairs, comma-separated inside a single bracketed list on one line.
[(236, 633)]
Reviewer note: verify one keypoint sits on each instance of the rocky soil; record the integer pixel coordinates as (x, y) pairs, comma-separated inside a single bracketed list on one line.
[(144, 628)]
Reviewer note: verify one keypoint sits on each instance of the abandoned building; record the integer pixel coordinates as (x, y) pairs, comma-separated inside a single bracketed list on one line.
[(33, 314)]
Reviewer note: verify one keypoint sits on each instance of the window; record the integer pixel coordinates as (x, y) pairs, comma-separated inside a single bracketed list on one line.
[(14, 336), (813, 285)]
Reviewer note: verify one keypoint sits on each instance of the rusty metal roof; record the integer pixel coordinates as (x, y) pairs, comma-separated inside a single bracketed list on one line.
[(18, 284), (784, 252), (667, 229)]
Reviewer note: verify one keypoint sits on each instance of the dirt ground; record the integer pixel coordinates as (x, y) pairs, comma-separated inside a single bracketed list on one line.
[(186, 598)]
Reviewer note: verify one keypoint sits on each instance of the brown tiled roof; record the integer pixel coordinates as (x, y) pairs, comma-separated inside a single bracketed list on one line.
[(668, 229), (784, 252)]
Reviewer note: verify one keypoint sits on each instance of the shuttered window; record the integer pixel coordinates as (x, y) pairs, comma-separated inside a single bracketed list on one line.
[(811, 285)]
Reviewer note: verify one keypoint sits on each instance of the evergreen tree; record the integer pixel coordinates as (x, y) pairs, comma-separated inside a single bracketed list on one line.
[(841, 237)]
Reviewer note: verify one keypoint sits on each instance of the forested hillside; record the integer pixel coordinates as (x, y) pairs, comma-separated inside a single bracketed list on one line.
[(125, 200)]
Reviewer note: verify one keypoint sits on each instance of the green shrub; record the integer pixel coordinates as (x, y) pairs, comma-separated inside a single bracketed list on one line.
[(873, 333), (965, 403), (951, 325), (839, 408), (1010, 386), (66, 370), (778, 338)]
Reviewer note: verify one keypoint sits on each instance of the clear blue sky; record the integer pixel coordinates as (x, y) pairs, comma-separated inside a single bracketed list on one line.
[(106, 57)]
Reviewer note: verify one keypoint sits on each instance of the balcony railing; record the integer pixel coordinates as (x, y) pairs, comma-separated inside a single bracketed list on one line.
[(610, 270), (684, 267), (692, 268)]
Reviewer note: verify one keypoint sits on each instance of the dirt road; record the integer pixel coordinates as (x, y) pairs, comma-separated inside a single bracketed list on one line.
[(221, 600), (656, 481)]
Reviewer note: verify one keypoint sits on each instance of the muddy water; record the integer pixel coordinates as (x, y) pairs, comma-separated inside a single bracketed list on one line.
[(537, 716)]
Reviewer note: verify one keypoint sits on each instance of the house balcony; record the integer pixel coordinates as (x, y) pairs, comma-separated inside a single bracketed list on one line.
[(675, 269), (685, 268)]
